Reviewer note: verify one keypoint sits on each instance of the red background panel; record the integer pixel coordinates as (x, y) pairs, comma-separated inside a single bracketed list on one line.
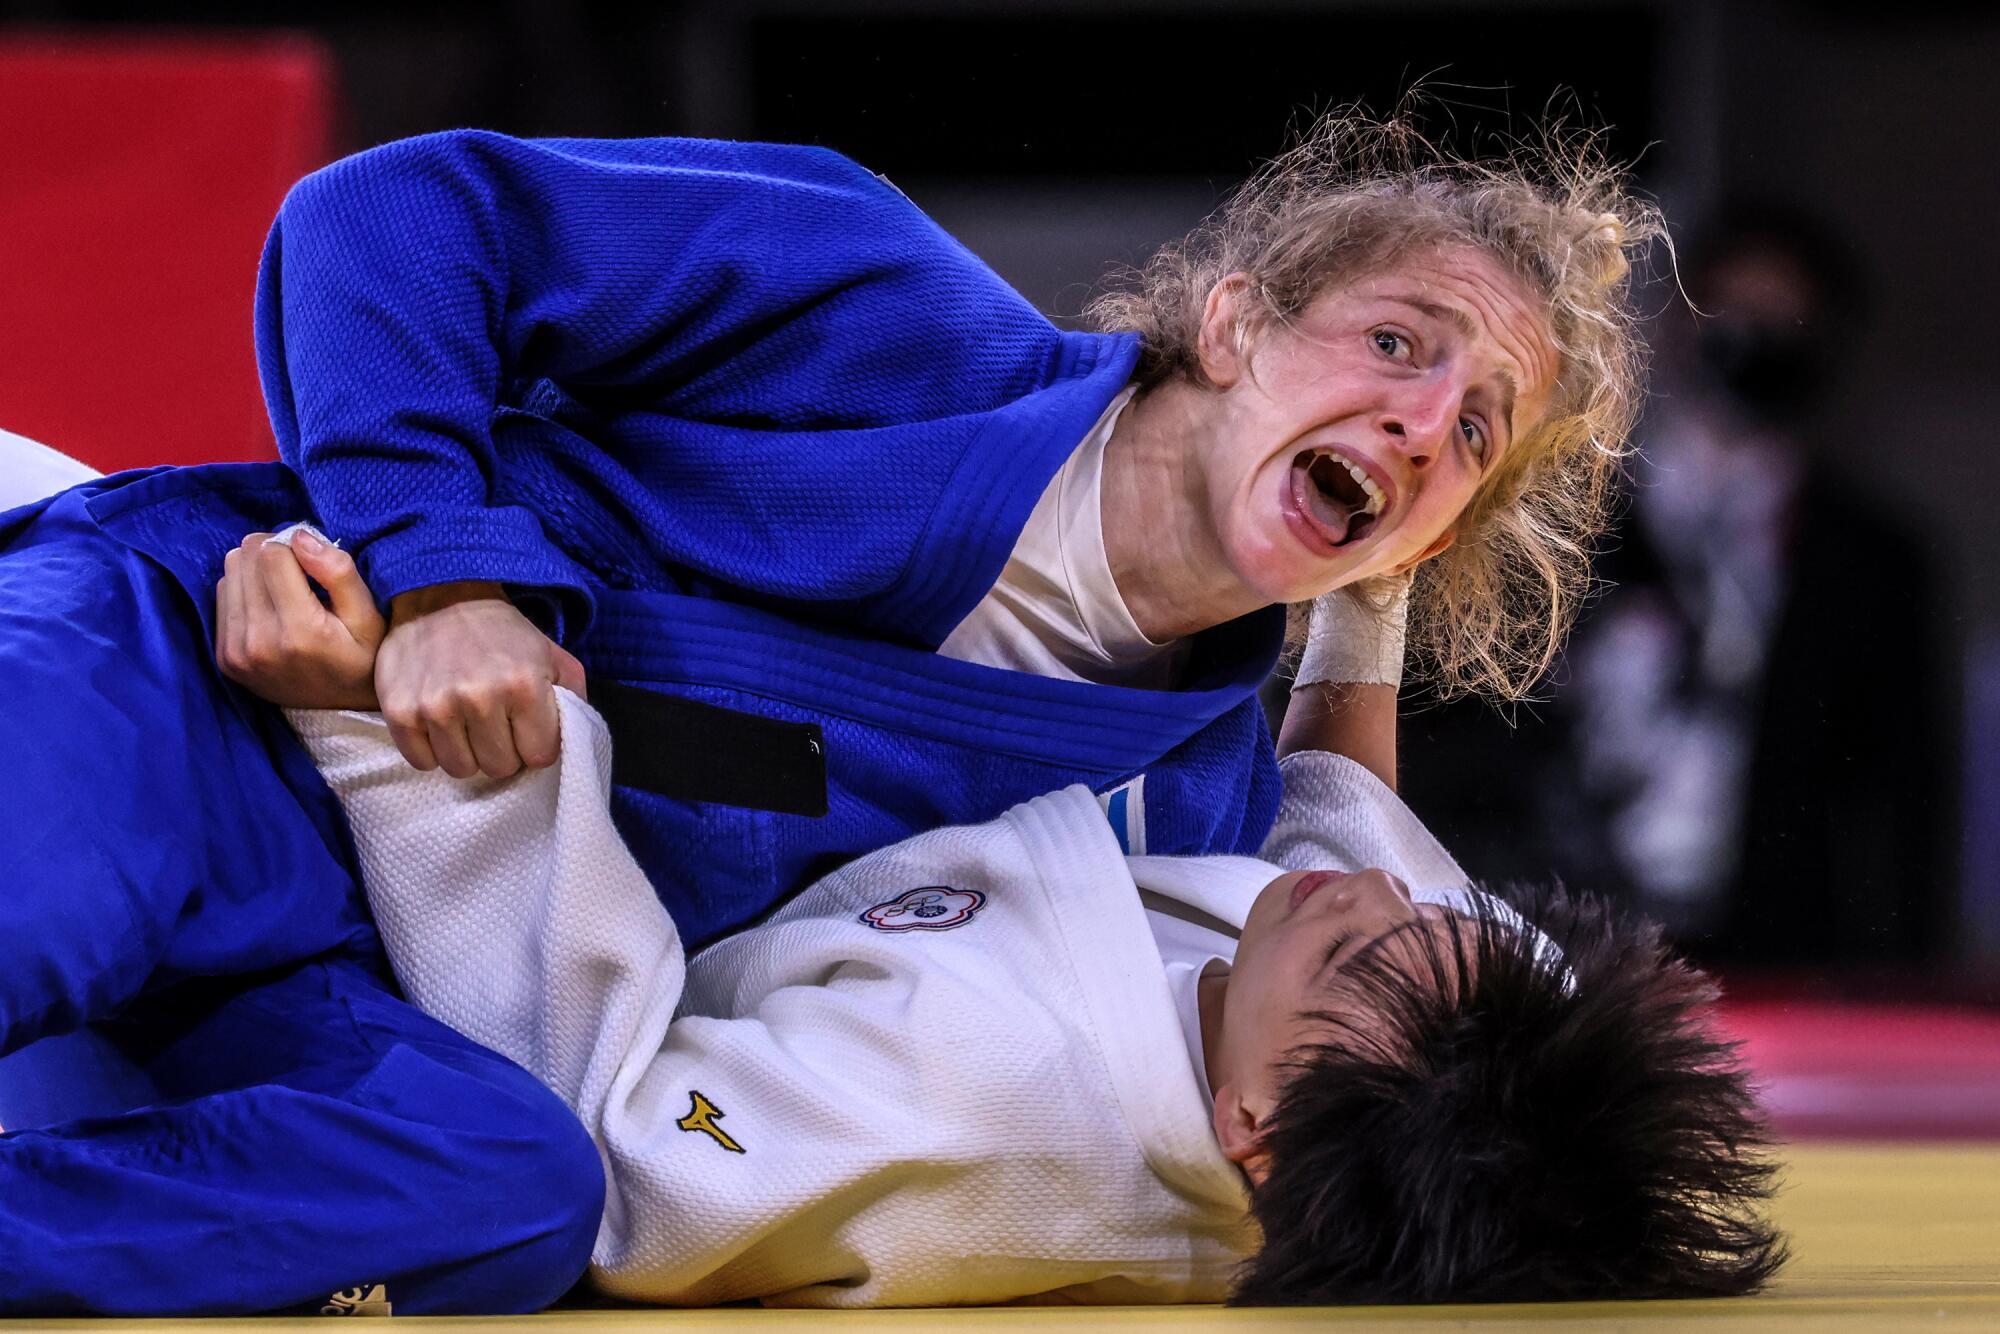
[(137, 179)]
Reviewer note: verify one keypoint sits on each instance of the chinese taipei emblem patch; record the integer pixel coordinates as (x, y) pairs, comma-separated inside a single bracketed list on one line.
[(930, 908)]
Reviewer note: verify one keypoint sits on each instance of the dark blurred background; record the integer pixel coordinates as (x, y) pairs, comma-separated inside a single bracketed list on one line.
[(1786, 744)]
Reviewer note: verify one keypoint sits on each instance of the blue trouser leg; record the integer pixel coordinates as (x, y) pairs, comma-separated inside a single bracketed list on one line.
[(158, 824), (314, 1135), (176, 882)]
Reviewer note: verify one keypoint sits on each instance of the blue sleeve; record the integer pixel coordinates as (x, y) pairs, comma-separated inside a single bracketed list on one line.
[(407, 290)]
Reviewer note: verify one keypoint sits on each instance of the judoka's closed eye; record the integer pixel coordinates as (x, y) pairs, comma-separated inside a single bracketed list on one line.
[(1334, 948)]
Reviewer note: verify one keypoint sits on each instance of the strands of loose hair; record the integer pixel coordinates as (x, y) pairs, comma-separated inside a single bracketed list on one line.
[(1355, 194), (1472, 1129)]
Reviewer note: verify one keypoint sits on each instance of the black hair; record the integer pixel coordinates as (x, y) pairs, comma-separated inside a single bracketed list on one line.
[(1479, 1125)]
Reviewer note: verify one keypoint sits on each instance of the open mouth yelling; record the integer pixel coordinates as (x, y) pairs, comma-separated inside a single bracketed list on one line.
[(1336, 501)]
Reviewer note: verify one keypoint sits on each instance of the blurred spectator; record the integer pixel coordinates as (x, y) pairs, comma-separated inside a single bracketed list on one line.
[(1748, 736)]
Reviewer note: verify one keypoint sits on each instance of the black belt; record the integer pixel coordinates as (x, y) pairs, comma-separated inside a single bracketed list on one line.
[(702, 752)]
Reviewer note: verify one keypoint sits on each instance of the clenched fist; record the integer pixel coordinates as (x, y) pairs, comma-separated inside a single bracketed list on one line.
[(467, 683)]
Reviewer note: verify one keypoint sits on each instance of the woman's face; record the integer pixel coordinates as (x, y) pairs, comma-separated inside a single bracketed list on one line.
[(1301, 932), (1351, 439), (1298, 935)]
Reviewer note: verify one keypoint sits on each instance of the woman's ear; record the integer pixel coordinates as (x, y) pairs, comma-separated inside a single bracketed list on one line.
[(1239, 1132), (1224, 344), (1436, 548)]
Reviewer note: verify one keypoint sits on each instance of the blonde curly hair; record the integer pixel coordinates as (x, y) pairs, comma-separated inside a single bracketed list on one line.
[(1353, 196)]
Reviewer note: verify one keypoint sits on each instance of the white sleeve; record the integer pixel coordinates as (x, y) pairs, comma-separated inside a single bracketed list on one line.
[(512, 911), (511, 908), (1338, 816)]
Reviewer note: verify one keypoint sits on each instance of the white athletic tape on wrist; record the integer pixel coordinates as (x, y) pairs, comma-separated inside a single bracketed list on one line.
[(1352, 642)]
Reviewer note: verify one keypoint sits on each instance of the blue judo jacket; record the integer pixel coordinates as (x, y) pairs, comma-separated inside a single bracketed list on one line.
[(739, 422)]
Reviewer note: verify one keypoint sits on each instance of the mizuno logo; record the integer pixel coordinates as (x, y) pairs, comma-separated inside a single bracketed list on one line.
[(368, 1299), (702, 1116)]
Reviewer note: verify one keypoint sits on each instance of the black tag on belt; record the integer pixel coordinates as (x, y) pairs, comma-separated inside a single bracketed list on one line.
[(702, 752)]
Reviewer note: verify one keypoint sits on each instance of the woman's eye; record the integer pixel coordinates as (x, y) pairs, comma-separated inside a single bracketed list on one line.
[(1392, 344), (1334, 948), (1473, 436)]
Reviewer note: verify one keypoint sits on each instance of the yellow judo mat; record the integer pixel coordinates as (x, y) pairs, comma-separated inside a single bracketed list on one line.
[(1883, 1238)]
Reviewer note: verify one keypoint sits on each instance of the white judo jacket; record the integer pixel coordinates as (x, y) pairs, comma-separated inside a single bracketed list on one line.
[(950, 1072)]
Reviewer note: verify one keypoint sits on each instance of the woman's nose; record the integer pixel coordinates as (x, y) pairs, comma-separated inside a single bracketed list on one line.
[(1383, 892), (1419, 421)]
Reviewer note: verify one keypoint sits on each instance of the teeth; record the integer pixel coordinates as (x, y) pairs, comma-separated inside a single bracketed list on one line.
[(1364, 481)]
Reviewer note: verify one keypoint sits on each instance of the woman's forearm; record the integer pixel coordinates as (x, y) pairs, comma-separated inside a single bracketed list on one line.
[(1358, 721)]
